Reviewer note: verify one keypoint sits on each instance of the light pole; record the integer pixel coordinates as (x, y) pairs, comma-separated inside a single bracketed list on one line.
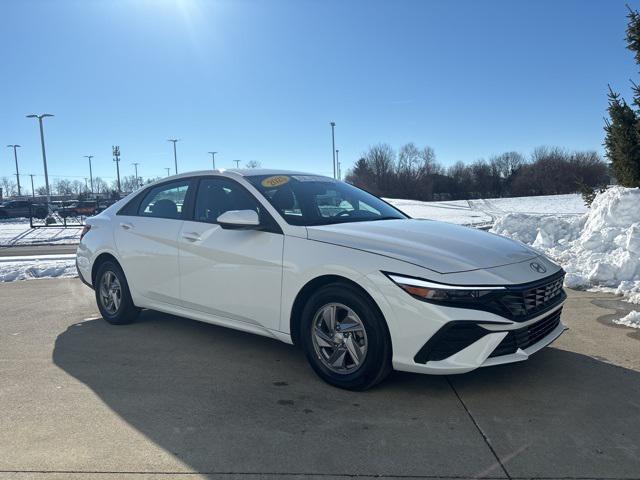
[(168, 171), (213, 159), (333, 143), (237, 163), (33, 192), (338, 163), (15, 156), (175, 154), (90, 171), (116, 158), (44, 154), (135, 165)]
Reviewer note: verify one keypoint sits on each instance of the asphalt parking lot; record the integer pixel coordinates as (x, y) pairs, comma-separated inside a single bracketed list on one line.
[(173, 398)]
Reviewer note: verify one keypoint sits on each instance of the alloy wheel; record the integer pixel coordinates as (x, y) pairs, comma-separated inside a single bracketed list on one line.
[(110, 292), (339, 338)]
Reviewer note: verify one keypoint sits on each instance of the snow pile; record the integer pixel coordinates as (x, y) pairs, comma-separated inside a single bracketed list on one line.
[(519, 226), (631, 320), (600, 249), (46, 266)]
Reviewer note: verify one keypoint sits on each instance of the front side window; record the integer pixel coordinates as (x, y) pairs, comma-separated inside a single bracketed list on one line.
[(315, 200), (217, 195), (164, 201)]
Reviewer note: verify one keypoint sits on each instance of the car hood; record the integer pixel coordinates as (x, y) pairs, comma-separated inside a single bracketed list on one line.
[(438, 246)]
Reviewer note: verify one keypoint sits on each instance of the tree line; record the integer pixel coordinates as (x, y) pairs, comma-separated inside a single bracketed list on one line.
[(414, 173), (65, 186)]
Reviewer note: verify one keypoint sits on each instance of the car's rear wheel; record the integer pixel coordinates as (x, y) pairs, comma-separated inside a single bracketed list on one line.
[(345, 338), (113, 296)]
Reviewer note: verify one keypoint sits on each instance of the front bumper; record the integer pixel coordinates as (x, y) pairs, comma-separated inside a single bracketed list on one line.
[(498, 343), (493, 337)]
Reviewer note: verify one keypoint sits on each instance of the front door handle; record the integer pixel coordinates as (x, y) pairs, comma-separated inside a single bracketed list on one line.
[(192, 236), (127, 226)]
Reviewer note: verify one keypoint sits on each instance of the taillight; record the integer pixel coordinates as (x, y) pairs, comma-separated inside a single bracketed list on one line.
[(85, 229)]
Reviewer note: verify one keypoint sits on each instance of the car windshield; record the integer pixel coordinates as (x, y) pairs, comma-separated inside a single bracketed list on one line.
[(315, 200)]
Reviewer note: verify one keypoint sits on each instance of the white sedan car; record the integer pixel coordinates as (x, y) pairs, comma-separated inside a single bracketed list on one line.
[(306, 259)]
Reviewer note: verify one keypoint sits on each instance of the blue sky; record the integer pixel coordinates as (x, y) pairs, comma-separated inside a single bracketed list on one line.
[(262, 79)]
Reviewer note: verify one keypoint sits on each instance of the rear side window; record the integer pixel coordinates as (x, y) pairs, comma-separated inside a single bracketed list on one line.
[(165, 201)]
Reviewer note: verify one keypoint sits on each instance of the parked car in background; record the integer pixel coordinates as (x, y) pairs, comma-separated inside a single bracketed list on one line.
[(78, 209), (22, 209), (310, 260)]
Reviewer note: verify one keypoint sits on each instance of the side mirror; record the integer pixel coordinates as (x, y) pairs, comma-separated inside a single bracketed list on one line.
[(239, 219)]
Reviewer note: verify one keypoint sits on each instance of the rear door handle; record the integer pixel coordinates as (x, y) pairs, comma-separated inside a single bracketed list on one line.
[(192, 236), (127, 226)]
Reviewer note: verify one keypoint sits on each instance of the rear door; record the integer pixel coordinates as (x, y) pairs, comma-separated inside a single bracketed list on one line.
[(235, 274), (146, 237)]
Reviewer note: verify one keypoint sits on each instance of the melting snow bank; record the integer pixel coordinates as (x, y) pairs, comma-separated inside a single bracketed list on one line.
[(43, 266), (599, 250), (632, 320)]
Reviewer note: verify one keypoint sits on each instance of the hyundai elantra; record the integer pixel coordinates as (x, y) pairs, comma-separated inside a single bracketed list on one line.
[(309, 260)]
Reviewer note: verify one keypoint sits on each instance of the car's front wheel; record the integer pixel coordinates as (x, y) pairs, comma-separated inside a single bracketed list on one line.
[(344, 338), (113, 296)]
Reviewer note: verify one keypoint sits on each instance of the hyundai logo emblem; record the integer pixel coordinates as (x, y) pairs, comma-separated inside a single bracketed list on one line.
[(536, 267)]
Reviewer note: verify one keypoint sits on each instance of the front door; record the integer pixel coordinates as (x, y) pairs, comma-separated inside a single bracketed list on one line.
[(236, 274)]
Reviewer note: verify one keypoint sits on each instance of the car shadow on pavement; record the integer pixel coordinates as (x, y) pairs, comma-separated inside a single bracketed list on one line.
[(225, 401)]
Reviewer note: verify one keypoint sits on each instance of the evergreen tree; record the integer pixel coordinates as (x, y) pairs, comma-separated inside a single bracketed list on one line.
[(622, 141)]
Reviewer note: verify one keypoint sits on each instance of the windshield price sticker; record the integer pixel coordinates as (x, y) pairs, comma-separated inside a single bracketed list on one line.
[(275, 181)]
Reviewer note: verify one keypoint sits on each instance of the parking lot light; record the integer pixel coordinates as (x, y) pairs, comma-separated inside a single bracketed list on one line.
[(15, 156), (90, 172), (44, 154)]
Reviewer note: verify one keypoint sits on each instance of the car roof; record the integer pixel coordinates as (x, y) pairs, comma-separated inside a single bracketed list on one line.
[(237, 172), (257, 172), (229, 173)]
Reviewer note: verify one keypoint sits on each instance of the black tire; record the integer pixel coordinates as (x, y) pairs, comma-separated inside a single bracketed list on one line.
[(377, 361), (126, 312)]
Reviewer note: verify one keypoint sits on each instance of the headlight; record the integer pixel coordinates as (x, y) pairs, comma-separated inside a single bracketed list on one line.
[(439, 292)]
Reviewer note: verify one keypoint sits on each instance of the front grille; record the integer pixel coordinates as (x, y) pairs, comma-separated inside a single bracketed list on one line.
[(527, 336), (523, 302)]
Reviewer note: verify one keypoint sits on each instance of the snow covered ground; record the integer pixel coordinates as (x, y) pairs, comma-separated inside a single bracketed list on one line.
[(18, 232), (486, 211), (37, 266)]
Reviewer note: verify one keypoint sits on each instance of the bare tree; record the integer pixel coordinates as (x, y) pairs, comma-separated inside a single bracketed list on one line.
[(9, 187), (100, 186), (128, 183), (62, 186), (381, 160), (77, 187)]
